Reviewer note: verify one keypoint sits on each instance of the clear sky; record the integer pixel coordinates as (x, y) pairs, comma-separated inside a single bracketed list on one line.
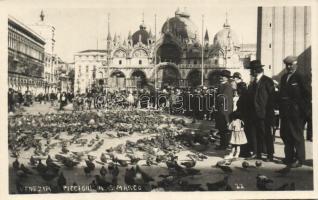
[(79, 26)]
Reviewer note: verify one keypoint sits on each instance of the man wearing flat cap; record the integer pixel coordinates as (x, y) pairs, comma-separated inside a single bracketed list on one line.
[(224, 107), (261, 98), (294, 108)]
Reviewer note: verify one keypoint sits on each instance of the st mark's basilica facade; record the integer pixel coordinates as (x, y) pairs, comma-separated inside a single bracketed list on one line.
[(174, 58)]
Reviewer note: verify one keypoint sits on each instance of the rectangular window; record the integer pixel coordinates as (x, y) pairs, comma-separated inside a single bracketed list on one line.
[(120, 62), (270, 45), (140, 62)]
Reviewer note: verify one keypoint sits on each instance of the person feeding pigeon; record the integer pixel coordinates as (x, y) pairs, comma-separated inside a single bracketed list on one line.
[(238, 138)]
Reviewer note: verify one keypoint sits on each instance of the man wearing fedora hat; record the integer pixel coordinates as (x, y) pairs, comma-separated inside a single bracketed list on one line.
[(294, 108), (261, 93), (224, 107)]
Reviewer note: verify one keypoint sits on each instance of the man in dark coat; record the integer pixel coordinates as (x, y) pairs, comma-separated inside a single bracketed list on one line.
[(262, 111), (294, 107), (224, 107)]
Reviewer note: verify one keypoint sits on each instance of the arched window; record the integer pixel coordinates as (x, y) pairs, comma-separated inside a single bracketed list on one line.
[(120, 62)]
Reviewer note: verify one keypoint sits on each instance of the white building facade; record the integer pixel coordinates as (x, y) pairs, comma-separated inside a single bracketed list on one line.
[(51, 60), (172, 59)]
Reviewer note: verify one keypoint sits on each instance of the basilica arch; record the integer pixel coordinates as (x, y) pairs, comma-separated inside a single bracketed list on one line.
[(117, 79), (194, 78), (168, 75), (138, 78)]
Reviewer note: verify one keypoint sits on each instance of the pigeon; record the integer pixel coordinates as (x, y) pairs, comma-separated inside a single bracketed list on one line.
[(150, 161), (122, 163), (258, 163), (41, 168), (218, 186), (69, 163), (97, 137), (74, 185), (91, 142), (262, 181), (98, 145), (103, 171), (115, 171), (33, 161), (133, 159), (60, 157), (103, 158), (64, 149), (173, 165), (79, 154), (90, 165), (129, 176), (16, 164), (111, 167), (245, 164), (224, 168), (160, 158), (189, 164), (51, 164), (101, 182), (87, 171), (91, 158), (93, 185)]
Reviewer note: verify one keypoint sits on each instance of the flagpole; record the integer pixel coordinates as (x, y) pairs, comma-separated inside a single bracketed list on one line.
[(202, 79), (156, 85)]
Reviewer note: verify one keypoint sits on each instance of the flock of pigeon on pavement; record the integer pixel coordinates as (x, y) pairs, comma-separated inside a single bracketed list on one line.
[(49, 146)]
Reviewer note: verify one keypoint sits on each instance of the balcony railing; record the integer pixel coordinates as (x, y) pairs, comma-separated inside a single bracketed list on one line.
[(196, 65)]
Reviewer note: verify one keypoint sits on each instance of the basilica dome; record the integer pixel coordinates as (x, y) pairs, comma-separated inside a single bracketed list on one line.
[(142, 35), (181, 26), (226, 37)]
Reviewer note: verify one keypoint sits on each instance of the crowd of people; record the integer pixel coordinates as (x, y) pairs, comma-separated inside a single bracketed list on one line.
[(246, 115)]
